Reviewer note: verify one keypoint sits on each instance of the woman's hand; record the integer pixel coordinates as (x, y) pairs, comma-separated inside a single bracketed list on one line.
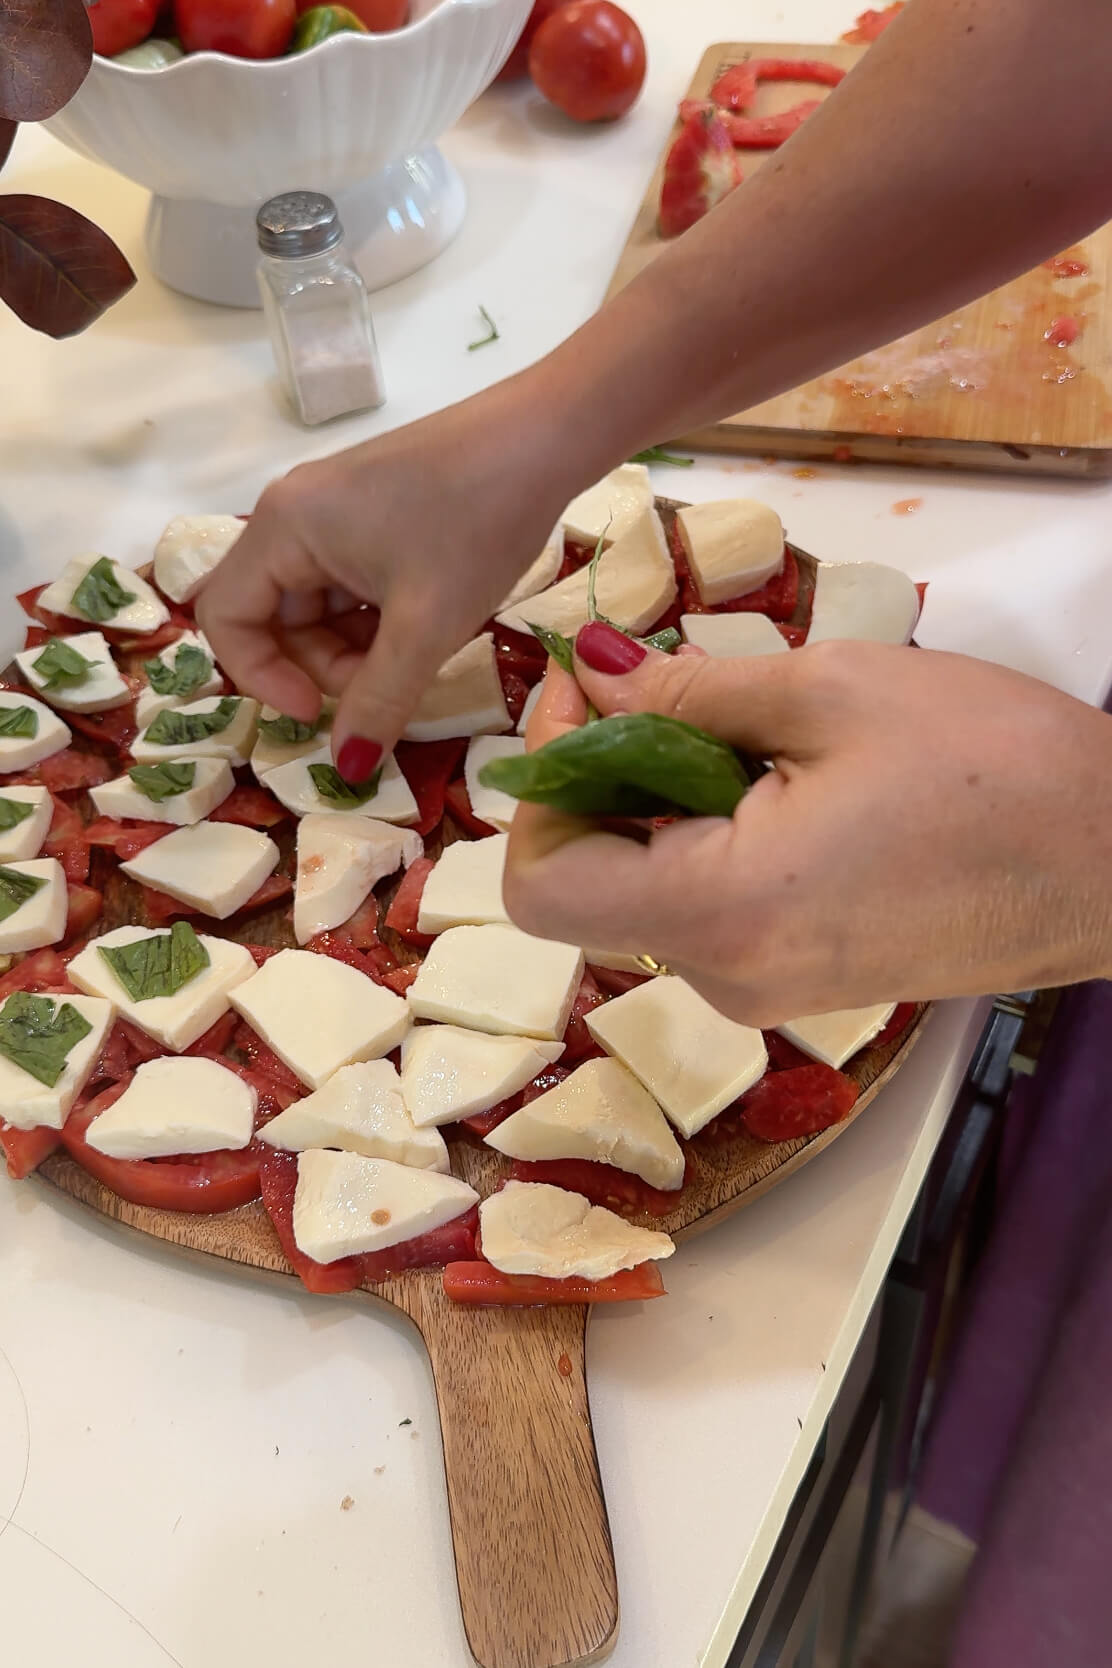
[(935, 826)]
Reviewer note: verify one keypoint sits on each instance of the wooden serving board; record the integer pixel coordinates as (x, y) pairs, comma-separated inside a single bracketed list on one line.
[(983, 388), (511, 1385)]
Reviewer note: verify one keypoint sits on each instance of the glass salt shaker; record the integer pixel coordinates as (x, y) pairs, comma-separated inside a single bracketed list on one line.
[(316, 309)]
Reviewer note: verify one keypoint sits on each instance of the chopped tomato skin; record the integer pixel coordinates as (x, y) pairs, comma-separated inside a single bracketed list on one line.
[(402, 915), (871, 24), (25, 1149), (480, 1283)]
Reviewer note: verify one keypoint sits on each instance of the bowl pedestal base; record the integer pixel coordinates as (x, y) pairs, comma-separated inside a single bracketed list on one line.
[(395, 222)]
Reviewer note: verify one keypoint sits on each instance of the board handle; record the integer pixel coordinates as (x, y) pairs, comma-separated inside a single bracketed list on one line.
[(534, 1561)]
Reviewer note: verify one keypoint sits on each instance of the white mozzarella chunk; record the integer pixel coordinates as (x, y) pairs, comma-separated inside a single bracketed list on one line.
[(234, 742), (150, 703), (691, 1058), (732, 636), (339, 859), (490, 805), (464, 888), (450, 1073), (635, 583), (25, 1102), (359, 1110), (610, 507), (213, 781), (733, 546), (498, 979), (102, 686), (40, 919), (465, 698), (268, 754), (23, 752), (144, 614), (531, 700), (346, 1205), (174, 1021), (25, 838), (214, 867), (533, 1228), (863, 602), (318, 1014), (190, 547), (621, 961), (540, 573), (293, 786), (176, 1106), (600, 1112), (834, 1038)]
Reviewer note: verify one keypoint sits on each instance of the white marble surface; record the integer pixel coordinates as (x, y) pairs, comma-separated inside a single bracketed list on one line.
[(175, 1444)]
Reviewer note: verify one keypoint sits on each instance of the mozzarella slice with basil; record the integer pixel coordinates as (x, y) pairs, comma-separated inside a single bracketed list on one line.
[(835, 1037), (48, 1047), (490, 805), (313, 784), (318, 1014), (33, 905), (217, 727), (93, 587), (176, 1106), (340, 857), (500, 980), (533, 1228), (173, 984), (179, 792), (359, 1110), (464, 887), (190, 547), (449, 1072), (213, 867), (346, 1204), (25, 817), (282, 739), (29, 732), (635, 583), (76, 674), (610, 507), (733, 546), (864, 602), (182, 672), (464, 699)]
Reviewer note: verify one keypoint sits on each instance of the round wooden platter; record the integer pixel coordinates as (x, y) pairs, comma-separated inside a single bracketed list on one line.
[(510, 1383)]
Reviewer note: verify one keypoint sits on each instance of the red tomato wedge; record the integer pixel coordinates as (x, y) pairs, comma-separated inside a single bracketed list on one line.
[(216, 1041), (278, 1182), (261, 953), (400, 979), (66, 842), (457, 803), (25, 1149), (579, 1044), (736, 87), (69, 771), (700, 169), (481, 1123), (785, 1105), (480, 1283), (251, 807), (262, 1058), (41, 970), (428, 767), (115, 729), (36, 637), (403, 912), (452, 1242), (85, 904), (126, 839), (602, 1184), (161, 907), (897, 1025)]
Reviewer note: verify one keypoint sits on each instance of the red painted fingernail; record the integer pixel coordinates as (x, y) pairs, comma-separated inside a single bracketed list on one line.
[(603, 649), (358, 759)]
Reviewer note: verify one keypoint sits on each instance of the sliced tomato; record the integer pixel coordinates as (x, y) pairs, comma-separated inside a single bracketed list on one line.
[(36, 637), (481, 1123), (782, 1054), (897, 1025), (700, 169), (85, 904), (25, 1149), (457, 803), (428, 767), (614, 982), (479, 1282), (777, 599), (161, 907), (451, 1243), (400, 979), (785, 1105), (871, 24), (602, 1184), (515, 691), (380, 962), (579, 1044), (115, 728), (362, 927), (518, 654), (261, 953), (66, 842), (200, 1184), (114, 1062), (271, 1096), (406, 905), (41, 970), (69, 771), (153, 642), (251, 807), (278, 1181), (140, 1046), (216, 1041), (339, 947), (126, 839), (262, 1058)]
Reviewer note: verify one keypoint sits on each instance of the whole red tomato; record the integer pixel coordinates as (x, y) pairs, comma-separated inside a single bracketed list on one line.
[(517, 64), (119, 24), (379, 15), (242, 28), (588, 59)]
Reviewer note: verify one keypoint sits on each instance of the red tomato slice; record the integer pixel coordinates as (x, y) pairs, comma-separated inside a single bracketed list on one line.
[(602, 1184), (481, 1123), (478, 1282), (782, 1054), (161, 907), (66, 842), (36, 637), (457, 803), (340, 947), (777, 599), (67, 772), (216, 1041), (785, 1105), (25, 1149), (126, 839), (400, 979), (897, 1025), (115, 729), (403, 912), (114, 1061), (278, 1181), (613, 982), (518, 654), (272, 1097), (41, 970), (140, 1046), (362, 927), (85, 904), (452, 1242), (700, 169), (428, 767), (251, 807), (579, 1045), (261, 953), (262, 1058)]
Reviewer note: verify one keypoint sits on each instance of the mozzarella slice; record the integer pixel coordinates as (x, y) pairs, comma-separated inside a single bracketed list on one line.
[(541, 572), (833, 1038), (359, 1110), (233, 743), (215, 867), (865, 602), (23, 752), (101, 688), (145, 614), (174, 1021), (490, 805), (176, 1106), (190, 547), (600, 1112), (25, 1103), (732, 636), (339, 859), (269, 754), (634, 584), (498, 979), (610, 507), (691, 1058), (619, 960), (531, 700), (465, 698), (40, 919), (532, 1228), (24, 839), (318, 1014), (150, 703), (733, 546), (450, 1073), (465, 886), (292, 784), (346, 1204), (213, 781)]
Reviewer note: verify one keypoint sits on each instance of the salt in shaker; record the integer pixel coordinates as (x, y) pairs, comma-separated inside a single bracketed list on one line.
[(316, 309)]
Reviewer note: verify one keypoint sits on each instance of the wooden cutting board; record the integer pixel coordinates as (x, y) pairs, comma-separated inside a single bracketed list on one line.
[(983, 388)]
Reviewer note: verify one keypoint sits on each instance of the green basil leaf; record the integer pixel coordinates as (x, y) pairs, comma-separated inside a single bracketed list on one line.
[(667, 641), (160, 964), (13, 812), (61, 666), (331, 786), (15, 889), (178, 729), (657, 454), (556, 645), (19, 721), (290, 730), (37, 1034), (190, 669), (163, 781), (632, 765), (100, 594)]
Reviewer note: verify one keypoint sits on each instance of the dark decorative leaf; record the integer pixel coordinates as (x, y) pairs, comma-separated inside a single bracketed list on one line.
[(19, 721), (58, 272), (8, 131), (158, 965), (15, 889), (331, 786), (37, 1033), (46, 49), (164, 781)]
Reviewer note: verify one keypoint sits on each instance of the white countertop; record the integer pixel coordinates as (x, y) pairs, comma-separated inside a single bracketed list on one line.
[(175, 1445)]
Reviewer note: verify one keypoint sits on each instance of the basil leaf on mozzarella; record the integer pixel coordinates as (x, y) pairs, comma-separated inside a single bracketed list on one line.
[(332, 787), (19, 721), (100, 594), (37, 1033), (13, 812), (191, 668), (179, 729), (61, 666), (15, 889), (160, 964), (163, 781), (290, 731)]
